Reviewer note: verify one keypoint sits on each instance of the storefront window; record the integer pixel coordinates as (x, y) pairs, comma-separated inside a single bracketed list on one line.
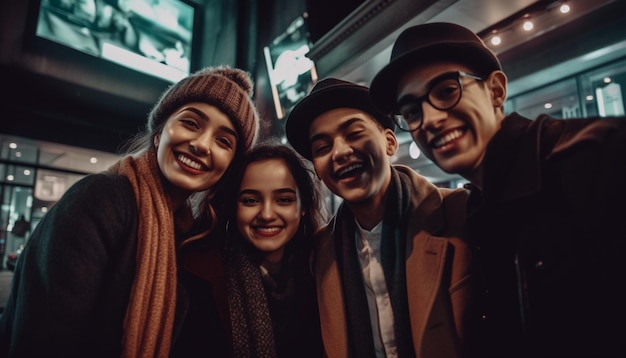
[(603, 90), (33, 177), (595, 93), (558, 100)]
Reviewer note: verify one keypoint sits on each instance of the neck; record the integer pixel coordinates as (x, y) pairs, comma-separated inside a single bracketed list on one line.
[(272, 267), (272, 259), (369, 213)]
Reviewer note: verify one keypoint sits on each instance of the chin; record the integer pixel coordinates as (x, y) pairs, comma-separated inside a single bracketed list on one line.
[(451, 167)]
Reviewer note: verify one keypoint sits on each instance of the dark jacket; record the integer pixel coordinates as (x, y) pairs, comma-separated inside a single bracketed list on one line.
[(295, 322), (72, 283), (550, 235)]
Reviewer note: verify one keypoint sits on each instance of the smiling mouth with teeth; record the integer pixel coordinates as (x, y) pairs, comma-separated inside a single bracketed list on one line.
[(190, 163), (447, 138), (268, 229), (349, 170)]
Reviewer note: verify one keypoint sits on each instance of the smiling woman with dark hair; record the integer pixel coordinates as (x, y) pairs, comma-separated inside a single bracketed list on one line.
[(99, 276), (278, 211), (274, 208)]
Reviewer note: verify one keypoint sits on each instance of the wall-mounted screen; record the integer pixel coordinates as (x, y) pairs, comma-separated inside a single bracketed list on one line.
[(291, 73), (152, 37)]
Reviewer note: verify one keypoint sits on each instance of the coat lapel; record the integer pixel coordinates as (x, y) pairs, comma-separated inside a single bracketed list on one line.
[(426, 265)]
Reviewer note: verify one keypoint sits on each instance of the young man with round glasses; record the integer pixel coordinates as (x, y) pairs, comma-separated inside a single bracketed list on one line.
[(546, 212)]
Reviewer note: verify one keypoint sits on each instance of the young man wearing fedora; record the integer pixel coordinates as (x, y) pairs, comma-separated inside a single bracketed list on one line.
[(546, 211), (393, 275)]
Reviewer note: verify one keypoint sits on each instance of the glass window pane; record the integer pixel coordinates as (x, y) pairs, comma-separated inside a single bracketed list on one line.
[(19, 175), (559, 100), (604, 90)]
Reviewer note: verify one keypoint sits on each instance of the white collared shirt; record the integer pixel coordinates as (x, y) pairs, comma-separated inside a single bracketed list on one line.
[(378, 300)]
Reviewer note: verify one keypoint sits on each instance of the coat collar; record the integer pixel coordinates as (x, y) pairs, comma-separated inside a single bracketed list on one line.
[(425, 201), (425, 211)]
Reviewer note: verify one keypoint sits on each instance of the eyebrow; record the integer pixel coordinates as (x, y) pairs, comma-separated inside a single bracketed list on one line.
[(203, 115), (277, 191), (342, 126)]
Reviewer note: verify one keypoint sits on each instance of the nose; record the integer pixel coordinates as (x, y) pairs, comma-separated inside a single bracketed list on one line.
[(200, 145), (431, 116), (341, 150), (267, 212)]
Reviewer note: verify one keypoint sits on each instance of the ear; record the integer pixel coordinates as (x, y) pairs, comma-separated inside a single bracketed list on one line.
[(497, 81), (156, 140), (392, 142)]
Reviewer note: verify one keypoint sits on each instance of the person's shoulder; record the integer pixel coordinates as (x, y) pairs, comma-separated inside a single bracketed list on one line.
[(416, 178), (326, 229), (454, 204), (454, 195), (564, 134), (547, 122), (204, 261), (324, 235), (99, 189), (102, 183), (423, 185), (94, 202), (105, 178)]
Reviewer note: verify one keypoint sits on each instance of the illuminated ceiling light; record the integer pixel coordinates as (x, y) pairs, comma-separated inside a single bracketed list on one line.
[(589, 97), (547, 105), (93, 160), (10, 177), (528, 25), (607, 80), (18, 154), (564, 8), (414, 151), (26, 172), (12, 145), (496, 40)]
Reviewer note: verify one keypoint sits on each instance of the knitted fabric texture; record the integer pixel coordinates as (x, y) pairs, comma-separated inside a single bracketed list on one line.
[(249, 312), (150, 314), (229, 89)]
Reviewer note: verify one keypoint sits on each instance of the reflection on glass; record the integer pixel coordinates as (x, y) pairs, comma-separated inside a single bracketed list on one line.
[(593, 93), (153, 37)]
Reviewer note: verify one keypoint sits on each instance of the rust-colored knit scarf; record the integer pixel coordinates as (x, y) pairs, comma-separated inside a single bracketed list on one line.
[(150, 314)]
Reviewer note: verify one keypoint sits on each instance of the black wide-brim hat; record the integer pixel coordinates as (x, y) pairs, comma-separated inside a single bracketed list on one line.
[(426, 43), (328, 94)]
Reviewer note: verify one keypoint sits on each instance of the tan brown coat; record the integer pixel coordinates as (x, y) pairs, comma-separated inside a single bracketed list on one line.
[(440, 299)]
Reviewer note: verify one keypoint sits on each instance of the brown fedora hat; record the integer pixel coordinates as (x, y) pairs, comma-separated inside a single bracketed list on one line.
[(421, 44), (328, 94)]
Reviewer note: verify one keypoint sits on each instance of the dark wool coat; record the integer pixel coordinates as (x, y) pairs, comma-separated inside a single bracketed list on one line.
[(438, 275), (72, 283), (208, 266), (550, 234)]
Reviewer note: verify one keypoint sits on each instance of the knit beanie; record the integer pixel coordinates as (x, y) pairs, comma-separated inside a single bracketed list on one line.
[(229, 89)]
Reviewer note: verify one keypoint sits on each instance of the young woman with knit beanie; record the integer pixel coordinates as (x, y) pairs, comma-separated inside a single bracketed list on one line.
[(99, 276), (266, 289)]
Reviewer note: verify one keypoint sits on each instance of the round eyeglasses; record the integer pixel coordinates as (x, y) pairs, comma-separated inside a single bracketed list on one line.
[(443, 94)]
